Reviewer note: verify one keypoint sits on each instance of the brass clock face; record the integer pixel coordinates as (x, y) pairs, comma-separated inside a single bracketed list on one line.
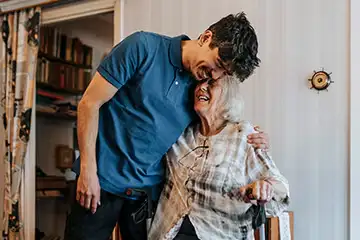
[(320, 80)]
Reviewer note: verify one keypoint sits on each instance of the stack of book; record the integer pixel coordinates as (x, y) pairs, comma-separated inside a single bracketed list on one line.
[(62, 75), (57, 44), (63, 62)]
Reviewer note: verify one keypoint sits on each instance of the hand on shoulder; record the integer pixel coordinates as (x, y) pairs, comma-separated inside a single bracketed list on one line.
[(256, 136)]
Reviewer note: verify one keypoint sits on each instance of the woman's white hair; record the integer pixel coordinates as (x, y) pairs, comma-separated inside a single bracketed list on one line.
[(232, 100)]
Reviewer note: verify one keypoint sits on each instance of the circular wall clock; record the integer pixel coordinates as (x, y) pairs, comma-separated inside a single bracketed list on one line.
[(320, 80)]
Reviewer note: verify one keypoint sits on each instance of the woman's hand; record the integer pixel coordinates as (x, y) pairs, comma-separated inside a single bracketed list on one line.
[(259, 139), (261, 191)]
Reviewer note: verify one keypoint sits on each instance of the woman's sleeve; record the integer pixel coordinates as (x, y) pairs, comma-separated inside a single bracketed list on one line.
[(260, 166)]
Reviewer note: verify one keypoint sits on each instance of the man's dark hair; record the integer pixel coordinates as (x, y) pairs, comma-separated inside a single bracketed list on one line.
[(237, 43)]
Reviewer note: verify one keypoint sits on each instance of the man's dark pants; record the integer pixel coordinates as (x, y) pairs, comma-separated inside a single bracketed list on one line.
[(81, 224)]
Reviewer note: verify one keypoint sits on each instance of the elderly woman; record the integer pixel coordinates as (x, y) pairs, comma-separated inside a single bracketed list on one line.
[(215, 177)]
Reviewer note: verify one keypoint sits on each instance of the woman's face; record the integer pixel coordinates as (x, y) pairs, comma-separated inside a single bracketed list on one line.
[(208, 98)]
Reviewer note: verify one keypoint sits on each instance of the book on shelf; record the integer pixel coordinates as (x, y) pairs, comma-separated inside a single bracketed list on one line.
[(64, 62), (51, 104), (54, 42), (48, 193), (61, 75)]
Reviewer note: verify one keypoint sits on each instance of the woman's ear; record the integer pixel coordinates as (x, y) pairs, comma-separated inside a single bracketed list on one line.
[(225, 115)]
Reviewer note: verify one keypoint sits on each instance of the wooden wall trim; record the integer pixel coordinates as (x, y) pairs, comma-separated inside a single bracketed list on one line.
[(77, 10), (15, 5)]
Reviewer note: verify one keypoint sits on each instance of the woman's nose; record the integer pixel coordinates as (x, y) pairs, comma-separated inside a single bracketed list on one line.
[(204, 86)]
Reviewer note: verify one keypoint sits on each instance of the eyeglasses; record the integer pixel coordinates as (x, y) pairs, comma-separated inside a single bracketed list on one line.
[(140, 214), (191, 164)]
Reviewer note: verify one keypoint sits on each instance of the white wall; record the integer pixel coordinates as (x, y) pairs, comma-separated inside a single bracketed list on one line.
[(355, 119), (308, 131)]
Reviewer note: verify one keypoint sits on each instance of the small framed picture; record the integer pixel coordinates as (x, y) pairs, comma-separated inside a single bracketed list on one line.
[(64, 156)]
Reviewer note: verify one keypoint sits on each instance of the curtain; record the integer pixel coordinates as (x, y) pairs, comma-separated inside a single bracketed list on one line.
[(19, 43)]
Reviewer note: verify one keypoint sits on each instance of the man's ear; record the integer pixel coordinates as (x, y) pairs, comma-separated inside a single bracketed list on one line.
[(205, 38)]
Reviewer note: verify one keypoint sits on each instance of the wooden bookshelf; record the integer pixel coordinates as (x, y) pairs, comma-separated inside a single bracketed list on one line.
[(61, 76), (58, 46), (53, 88), (54, 187), (63, 61), (56, 116), (50, 183), (49, 194)]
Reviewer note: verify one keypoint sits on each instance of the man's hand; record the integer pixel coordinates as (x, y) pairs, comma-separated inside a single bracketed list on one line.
[(259, 139), (261, 191), (88, 190)]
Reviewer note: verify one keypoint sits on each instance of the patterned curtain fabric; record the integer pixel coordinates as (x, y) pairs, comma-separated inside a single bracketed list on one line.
[(19, 43)]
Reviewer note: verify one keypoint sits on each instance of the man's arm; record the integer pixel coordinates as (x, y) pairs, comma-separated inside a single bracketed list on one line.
[(98, 92), (118, 67)]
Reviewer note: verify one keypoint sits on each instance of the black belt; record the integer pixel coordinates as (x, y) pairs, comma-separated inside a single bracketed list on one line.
[(134, 192)]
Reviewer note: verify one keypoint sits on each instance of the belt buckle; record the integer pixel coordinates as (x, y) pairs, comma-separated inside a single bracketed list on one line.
[(135, 192)]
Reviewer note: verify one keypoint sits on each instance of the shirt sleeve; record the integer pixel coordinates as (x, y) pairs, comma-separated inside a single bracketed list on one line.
[(124, 59), (260, 166)]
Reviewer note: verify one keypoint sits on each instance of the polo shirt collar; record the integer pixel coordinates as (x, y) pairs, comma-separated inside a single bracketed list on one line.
[(175, 51)]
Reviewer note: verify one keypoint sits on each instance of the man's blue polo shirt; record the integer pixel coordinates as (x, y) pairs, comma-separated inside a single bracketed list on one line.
[(152, 107)]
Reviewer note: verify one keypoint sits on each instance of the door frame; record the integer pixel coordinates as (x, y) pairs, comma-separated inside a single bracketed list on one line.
[(51, 15), (84, 9), (354, 205)]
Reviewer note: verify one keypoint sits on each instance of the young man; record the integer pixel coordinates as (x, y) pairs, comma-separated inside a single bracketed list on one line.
[(137, 105)]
